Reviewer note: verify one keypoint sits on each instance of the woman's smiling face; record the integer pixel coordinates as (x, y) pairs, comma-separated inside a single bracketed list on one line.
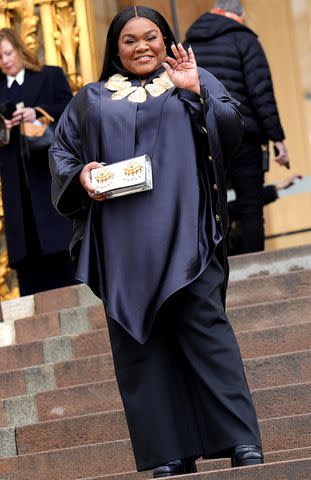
[(141, 46)]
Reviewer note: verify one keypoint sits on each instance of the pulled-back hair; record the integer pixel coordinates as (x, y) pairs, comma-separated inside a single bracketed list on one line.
[(111, 53), (233, 6), (29, 59)]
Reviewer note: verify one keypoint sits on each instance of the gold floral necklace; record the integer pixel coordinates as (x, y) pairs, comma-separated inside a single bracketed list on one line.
[(123, 88)]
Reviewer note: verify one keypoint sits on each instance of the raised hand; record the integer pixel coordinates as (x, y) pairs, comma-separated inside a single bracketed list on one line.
[(182, 70)]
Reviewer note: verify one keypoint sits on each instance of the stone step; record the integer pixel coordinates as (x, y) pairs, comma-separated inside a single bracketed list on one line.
[(94, 339), (111, 426), (212, 465), (48, 301), (261, 372), (51, 350), (270, 288), (272, 341), (281, 369), (270, 314), (90, 316), (284, 470), (95, 460), (83, 319), (277, 370), (253, 343), (270, 263), (70, 321), (104, 396)]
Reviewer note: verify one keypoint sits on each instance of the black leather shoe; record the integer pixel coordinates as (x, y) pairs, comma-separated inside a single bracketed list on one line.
[(178, 467), (243, 455)]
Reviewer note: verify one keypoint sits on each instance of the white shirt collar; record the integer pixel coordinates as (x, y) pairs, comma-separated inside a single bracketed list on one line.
[(20, 77)]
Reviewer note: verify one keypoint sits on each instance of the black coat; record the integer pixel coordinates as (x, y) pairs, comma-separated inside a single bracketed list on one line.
[(232, 52), (32, 226)]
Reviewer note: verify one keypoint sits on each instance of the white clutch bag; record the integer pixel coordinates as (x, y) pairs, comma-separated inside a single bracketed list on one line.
[(123, 178)]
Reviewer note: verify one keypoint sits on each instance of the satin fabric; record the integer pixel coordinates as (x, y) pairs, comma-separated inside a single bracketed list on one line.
[(140, 249)]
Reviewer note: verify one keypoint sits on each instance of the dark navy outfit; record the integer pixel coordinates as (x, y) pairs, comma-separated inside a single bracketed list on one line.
[(37, 238), (157, 261)]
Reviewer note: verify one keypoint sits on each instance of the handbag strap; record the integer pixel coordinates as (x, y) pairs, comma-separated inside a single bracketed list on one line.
[(46, 115)]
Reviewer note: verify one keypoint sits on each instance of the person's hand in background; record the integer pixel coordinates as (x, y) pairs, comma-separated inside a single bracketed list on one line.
[(281, 154)]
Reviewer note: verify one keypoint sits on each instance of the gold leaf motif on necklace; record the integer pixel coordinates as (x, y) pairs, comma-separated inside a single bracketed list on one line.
[(155, 89), (122, 88), (139, 96), (117, 82), (122, 93)]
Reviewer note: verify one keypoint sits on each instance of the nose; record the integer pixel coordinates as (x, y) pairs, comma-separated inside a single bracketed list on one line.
[(142, 46)]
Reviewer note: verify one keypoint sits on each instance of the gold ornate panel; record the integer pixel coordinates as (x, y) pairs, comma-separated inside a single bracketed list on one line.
[(60, 31)]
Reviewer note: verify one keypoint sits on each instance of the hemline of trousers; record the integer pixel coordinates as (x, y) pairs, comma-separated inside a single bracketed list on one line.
[(184, 391)]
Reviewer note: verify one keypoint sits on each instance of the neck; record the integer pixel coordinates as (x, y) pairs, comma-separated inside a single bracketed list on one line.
[(224, 13)]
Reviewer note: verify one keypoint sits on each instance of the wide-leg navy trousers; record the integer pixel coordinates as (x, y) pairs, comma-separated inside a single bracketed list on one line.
[(184, 391)]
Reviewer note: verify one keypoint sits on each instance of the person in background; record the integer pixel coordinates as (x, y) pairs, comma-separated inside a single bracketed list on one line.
[(227, 48), (37, 238), (157, 258), (271, 194)]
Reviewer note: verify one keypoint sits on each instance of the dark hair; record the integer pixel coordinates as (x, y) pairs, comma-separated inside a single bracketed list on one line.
[(28, 58), (116, 26)]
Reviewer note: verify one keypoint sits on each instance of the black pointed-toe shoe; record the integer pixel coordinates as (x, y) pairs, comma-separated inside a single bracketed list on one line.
[(243, 455), (178, 467)]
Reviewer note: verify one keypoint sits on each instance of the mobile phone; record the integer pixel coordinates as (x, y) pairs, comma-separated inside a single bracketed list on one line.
[(7, 109)]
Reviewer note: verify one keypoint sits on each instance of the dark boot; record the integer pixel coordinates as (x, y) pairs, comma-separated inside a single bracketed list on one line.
[(243, 455), (178, 467)]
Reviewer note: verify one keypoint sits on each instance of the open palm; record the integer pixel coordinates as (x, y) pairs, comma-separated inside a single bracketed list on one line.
[(182, 70)]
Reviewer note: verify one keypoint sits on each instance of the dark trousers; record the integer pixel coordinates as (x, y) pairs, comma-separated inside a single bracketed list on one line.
[(184, 391), (45, 273), (246, 177)]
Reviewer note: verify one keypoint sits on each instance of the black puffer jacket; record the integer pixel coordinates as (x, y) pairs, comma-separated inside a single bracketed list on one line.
[(233, 54)]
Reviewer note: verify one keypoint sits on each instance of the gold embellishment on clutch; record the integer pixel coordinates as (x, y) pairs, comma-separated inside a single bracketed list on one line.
[(133, 168), (123, 88), (104, 177)]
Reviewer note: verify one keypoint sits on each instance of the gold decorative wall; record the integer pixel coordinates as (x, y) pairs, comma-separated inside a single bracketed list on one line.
[(60, 31)]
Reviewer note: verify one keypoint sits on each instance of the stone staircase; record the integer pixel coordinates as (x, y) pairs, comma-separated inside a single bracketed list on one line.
[(61, 416)]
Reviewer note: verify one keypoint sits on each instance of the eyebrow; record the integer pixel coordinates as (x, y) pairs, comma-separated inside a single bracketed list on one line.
[(133, 35)]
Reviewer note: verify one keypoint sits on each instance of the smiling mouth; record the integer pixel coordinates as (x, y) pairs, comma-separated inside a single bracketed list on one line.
[(144, 58)]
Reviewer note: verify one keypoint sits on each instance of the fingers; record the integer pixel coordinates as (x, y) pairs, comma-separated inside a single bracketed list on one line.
[(183, 55), (85, 180), (26, 114), (191, 56), (99, 197), (85, 176)]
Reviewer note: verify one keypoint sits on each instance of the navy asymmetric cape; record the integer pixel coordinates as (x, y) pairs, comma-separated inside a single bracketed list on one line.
[(138, 250)]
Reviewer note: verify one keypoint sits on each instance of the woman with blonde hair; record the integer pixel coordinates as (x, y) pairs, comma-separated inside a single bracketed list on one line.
[(36, 237)]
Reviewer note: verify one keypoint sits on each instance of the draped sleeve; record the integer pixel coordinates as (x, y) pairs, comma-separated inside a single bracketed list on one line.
[(66, 161)]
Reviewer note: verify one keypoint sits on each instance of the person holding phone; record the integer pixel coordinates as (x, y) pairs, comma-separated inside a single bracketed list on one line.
[(37, 237)]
